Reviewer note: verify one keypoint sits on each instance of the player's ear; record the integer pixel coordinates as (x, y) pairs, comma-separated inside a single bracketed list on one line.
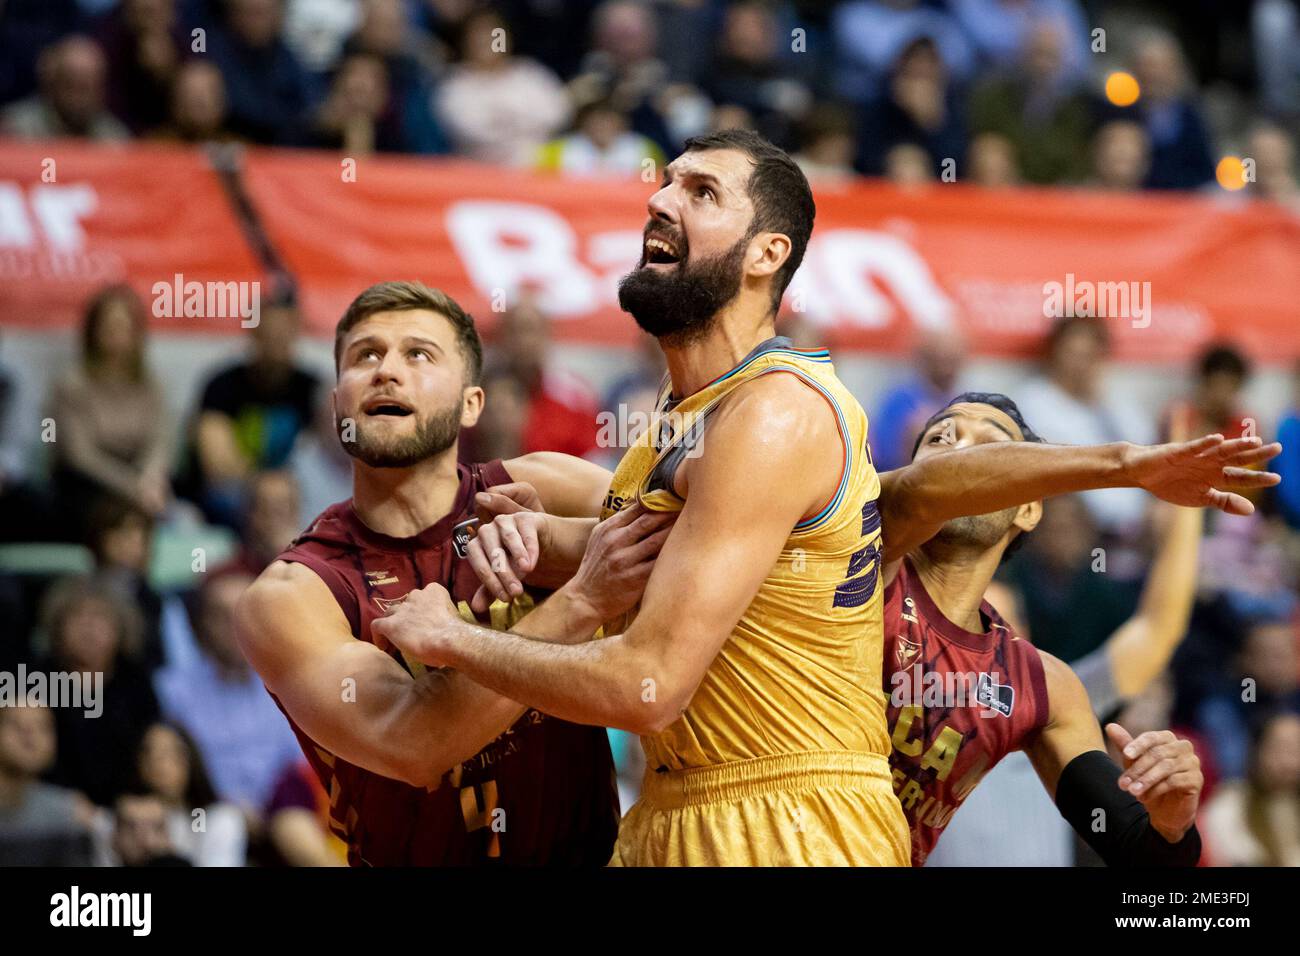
[(1028, 516), (773, 248), (471, 406)]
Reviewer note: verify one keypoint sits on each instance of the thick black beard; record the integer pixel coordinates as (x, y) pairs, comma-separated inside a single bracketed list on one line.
[(433, 435), (680, 306)]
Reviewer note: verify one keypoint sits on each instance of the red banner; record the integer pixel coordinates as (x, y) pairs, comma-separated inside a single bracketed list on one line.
[(1169, 272), (74, 218)]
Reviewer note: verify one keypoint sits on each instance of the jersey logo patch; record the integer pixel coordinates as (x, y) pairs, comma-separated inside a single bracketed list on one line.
[(1000, 698), (906, 651), (462, 534), (377, 578)]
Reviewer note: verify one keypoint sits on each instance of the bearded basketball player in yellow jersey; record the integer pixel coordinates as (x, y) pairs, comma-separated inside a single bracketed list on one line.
[(751, 668)]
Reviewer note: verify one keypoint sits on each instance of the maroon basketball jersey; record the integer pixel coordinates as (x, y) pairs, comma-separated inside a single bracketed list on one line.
[(958, 703), (543, 792)]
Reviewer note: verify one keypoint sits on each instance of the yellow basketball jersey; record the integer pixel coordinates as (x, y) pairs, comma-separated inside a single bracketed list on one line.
[(801, 671)]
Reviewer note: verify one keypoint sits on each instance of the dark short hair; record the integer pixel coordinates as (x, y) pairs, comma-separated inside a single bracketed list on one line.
[(410, 296), (1003, 404), (1221, 358), (779, 190)]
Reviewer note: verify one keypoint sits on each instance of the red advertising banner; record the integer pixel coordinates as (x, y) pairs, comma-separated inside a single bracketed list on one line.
[(1169, 272), (75, 218)]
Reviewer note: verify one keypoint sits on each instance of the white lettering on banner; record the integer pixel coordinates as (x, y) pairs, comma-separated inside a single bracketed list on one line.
[(57, 208), (848, 269), (508, 244), (60, 210), (15, 227)]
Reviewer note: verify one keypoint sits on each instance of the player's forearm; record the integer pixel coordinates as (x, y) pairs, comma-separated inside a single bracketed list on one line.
[(998, 475), (595, 682), (469, 714)]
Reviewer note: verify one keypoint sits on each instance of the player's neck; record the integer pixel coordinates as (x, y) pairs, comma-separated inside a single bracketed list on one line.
[(956, 579), (402, 502), (695, 365)]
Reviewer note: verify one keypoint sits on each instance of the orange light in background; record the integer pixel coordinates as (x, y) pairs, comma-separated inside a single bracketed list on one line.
[(1122, 89), (1230, 173)]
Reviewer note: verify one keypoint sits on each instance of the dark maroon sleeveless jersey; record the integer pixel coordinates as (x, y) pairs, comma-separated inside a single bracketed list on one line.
[(554, 780), (958, 703)]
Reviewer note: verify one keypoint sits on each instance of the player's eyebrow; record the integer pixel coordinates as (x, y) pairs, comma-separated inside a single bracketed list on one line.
[(699, 176), (992, 421), (421, 340)]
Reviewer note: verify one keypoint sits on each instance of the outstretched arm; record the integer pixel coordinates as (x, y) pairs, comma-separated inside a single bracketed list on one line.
[(916, 500), (1143, 815)]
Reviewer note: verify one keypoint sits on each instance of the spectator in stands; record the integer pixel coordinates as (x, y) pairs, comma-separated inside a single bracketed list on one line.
[(1004, 31), (111, 433), (356, 116), (873, 35), (266, 88), (271, 522), (202, 829), (1068, 403), (385, 33), (623, 65), (1040, 108), (1275, 175), (140, 834), (198, 106), (909, 165), (991, 161), (602, 144), (28, 28), (1275, 29), (501, 431), (73, 91), (902, 410), (748, 70), (560, 410), (315, 30), (1256, 821), (144, 43), (216, 697), (1121, 157), (1180, 142), (1072, 601), (1287, 494), (1215, 404), (496, 106), (40, 823), (920, 108), (321, 467), (250, 416), (826, 145), (92, 632), (1264, 677), (119, 537)]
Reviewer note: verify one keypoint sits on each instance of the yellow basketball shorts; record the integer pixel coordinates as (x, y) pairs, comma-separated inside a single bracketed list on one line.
[(807, 809)]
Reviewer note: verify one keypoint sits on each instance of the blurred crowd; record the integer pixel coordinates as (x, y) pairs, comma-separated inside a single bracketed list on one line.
[(990, 91)]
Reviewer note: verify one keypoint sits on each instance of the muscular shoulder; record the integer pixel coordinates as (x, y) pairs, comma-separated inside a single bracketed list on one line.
[(775, 437), (1066, 697), (279, 595)]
